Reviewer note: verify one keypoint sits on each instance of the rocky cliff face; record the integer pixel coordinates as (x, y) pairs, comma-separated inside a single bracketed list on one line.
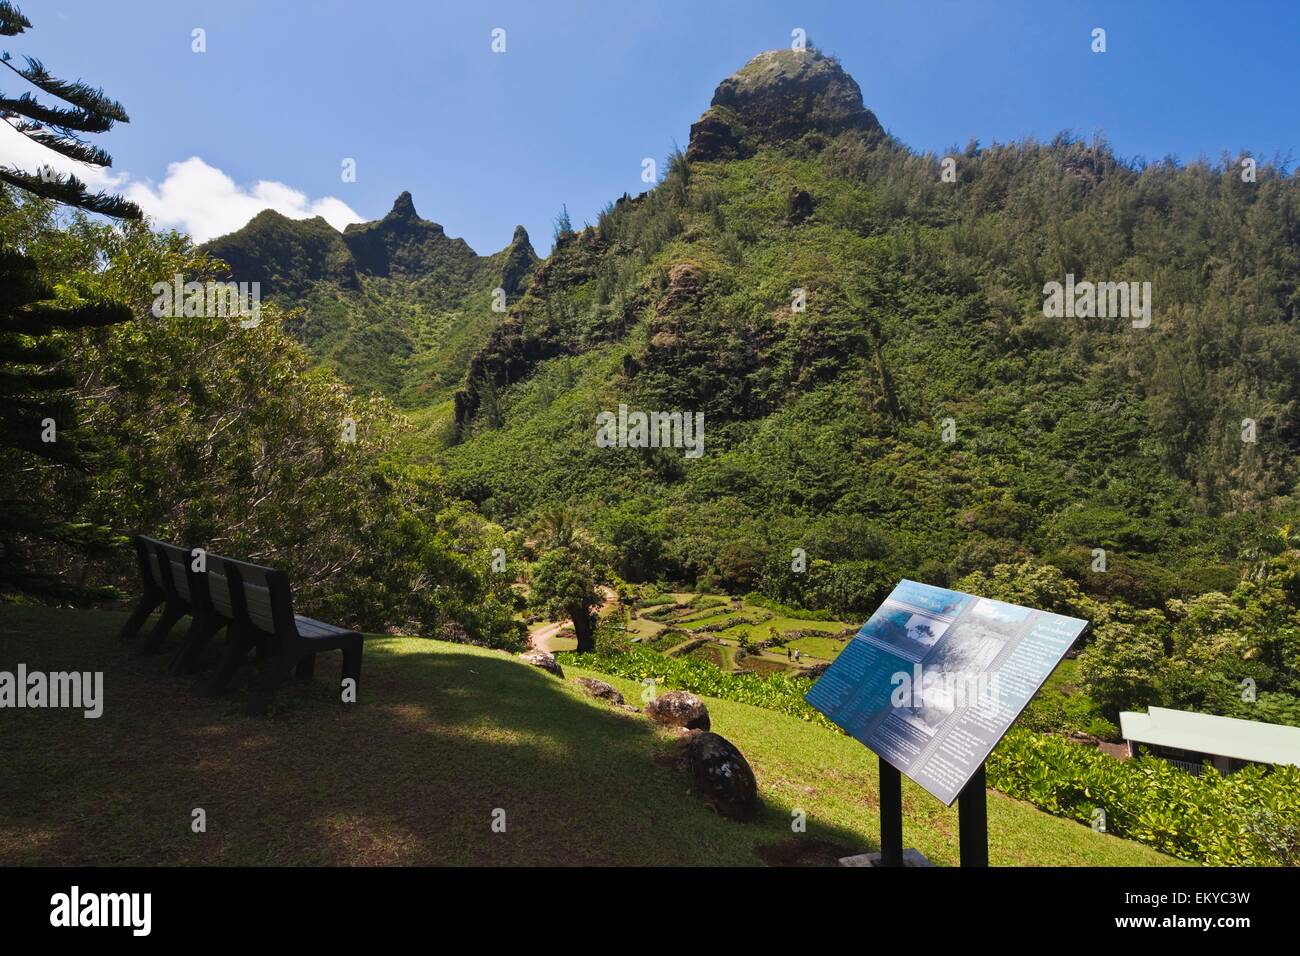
[(517, 263), (289, 255), (779, 97), (404, 244)]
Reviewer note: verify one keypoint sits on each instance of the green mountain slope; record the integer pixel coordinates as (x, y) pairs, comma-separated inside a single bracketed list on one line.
[(394, 306), (921, 415)]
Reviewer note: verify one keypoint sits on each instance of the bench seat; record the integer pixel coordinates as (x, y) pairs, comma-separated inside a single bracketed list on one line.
[(312, 629)]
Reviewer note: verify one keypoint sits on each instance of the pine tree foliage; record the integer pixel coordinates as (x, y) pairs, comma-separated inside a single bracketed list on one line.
[(39, 437), (87, 110)]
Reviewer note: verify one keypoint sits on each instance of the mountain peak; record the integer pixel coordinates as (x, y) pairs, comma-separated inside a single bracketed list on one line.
[(518, 260), (403, 207), (775, 98)]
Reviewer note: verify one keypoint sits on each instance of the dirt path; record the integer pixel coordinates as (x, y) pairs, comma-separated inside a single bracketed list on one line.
[(543, 637)]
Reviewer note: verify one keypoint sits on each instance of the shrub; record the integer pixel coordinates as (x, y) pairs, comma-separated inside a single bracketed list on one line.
[(1209, 818), (779, 692)]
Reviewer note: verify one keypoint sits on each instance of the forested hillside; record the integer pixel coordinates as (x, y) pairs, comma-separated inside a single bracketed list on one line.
[(921, 416), (887, 391), (394, 306)]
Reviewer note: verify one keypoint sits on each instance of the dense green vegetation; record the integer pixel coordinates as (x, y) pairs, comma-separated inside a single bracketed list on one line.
[(227, 437), (1235, 654), (825, 428), (1251, 817), (394, 306)]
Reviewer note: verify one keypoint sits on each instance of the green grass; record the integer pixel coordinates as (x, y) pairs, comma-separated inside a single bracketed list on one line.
[(444, 735), (813, 647), (823, 648)]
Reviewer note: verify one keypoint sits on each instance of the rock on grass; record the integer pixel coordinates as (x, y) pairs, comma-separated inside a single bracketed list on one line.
[(678, 708), (545, 660)]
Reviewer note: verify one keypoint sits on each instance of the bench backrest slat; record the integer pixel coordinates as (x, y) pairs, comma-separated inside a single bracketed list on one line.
[(266, 596), (181, 583), (219, 586), (260, 596), (180, 577), (155, 570), (146, 552)]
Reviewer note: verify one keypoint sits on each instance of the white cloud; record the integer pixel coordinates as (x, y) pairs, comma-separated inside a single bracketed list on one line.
[(203, 201), (193, 197)]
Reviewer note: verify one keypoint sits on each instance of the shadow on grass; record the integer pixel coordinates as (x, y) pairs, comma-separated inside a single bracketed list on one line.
[(452, 757)]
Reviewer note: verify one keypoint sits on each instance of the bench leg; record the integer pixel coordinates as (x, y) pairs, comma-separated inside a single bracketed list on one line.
[(352, 662), (273, 675), (305, 667), (170, 615), (234, 654), (186, 659), (139, 615)]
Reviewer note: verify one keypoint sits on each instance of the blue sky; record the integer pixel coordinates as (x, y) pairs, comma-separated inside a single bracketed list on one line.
[(585, 90)]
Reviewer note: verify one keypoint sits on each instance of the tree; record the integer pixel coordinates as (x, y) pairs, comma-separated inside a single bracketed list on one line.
[(41, 445), (558, 527), (59, 128), (563, 225), (564, 585), (1122, 667)]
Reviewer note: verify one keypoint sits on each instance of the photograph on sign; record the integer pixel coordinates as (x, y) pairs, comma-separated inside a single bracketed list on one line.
[(936, 677)]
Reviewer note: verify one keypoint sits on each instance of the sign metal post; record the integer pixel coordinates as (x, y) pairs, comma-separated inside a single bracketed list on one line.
[(973, 821), (891, 814)]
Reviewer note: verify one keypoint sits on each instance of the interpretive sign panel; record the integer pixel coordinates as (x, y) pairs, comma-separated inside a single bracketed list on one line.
[(936, 677)]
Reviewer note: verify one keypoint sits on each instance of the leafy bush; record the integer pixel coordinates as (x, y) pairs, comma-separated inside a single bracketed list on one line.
[(1209, 818), (779, 692), (761, 600)]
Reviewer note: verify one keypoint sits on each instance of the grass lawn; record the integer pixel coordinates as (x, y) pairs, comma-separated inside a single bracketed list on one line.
[(643, 628), (444, 735), (823, 648)]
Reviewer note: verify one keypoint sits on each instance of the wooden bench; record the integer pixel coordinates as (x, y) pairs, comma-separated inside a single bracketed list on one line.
[(259, 604), (206, 618), (157, 587), (253, 603)]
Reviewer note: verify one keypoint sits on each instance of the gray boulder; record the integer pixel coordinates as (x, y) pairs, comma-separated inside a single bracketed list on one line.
[(677, 708), (545, 660), (722, 776), (599, 689)]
